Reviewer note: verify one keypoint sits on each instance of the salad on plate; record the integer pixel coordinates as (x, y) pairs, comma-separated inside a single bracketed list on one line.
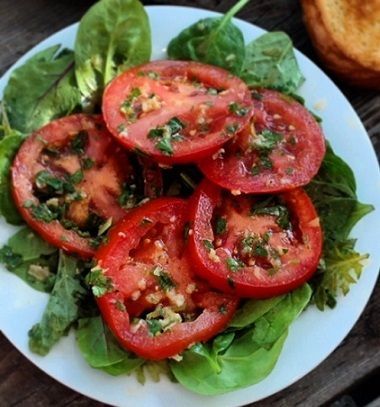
[(181, 213)]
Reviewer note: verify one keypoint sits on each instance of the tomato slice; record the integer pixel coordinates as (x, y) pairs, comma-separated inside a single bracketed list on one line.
[(154, 305), (67, 180), (176, 111), (282, 148), (254, 246)]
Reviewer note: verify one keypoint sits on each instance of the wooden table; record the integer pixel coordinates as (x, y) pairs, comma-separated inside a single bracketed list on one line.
[(352, 371)]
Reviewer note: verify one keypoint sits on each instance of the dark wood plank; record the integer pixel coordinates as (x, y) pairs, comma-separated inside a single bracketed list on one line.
[(25, 23)]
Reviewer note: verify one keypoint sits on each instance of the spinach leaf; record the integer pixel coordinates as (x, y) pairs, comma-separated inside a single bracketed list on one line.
[(341, 267), (239, 359), (31, 258), (252, 310), (113, 36), (41, 90), (333, 192), (270, 63), (8, 148), (62, 309), (101, 350), (215, 41)]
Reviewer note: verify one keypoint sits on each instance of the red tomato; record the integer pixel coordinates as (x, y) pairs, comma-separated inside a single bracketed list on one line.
[(154, 305), (176, 111), (67, 179), (282, 148), (251, 246)]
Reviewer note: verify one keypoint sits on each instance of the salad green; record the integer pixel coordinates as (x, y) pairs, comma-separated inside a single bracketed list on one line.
[(113, 36)]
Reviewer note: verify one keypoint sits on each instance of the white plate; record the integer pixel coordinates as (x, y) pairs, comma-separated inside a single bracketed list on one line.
[(312, 337)]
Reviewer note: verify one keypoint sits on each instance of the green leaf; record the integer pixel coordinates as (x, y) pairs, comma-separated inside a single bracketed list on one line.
[(241, 358), (342, 266), (215, 41), (9, 144), (62, 309), (251, 310), (101, 350), (270, 63), (30, 258), (333, 192), (113, 36), (41, 90)]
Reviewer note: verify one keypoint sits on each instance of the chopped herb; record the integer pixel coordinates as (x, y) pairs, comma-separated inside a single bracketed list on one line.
[(154, 326), (77, 177), (95, 242), (165, 146), (220, 225), (127, 106), (232, 128), (234, 264), (127, 198), (256, 95), (87, 163), (163, 278), (99, 282), (254, 245), (208, 244), (212, 91), (10, 259), (79, 142), (223, 309), (289, 170), (167, 134), (267, 140), (120, 128), (44, 212), (149, 74), (238, 109), (279, 211), (105, 226), (120, 306), (146, 221)]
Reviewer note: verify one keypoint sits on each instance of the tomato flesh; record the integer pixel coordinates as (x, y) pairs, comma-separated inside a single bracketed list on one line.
[(176, 111), (282, 148), (67, 177), (156, 307), (242, 247)]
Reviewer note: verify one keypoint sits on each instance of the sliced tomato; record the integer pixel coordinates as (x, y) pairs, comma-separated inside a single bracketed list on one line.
[(153, 303), (282, 148), (254, 246), (67, 180), (176, 111)]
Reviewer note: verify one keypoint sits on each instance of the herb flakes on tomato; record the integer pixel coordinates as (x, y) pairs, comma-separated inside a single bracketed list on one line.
[(149, 296), (67, 181), (282, 148), (176, 111), (270, 246)]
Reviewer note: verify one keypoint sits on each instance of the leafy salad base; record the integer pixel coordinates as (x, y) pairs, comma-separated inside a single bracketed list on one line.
[(307, 343)]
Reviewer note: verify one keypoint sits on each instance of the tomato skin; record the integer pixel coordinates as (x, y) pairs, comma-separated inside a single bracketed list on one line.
[(245, 283), (123, 238), (293, 164), (181, 102), (26, 164)]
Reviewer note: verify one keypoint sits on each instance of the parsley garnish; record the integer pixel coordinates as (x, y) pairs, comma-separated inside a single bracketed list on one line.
[(234, 264), (99, 282), (220, 225), (167, 134), (238, 109), (163, 278), (79, 142)]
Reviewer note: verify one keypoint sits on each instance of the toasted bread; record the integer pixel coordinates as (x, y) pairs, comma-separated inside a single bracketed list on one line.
[(347, 37)]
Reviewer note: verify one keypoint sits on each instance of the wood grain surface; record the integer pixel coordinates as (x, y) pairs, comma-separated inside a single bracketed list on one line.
[(354, 365)]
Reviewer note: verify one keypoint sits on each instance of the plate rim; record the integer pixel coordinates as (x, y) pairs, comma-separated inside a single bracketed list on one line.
[(74, 26)]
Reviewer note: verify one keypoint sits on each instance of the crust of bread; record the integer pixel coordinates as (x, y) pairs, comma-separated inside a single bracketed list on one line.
[(347, 65)]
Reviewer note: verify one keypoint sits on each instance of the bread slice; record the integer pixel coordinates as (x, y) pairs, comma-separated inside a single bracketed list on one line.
[(346, 34)]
